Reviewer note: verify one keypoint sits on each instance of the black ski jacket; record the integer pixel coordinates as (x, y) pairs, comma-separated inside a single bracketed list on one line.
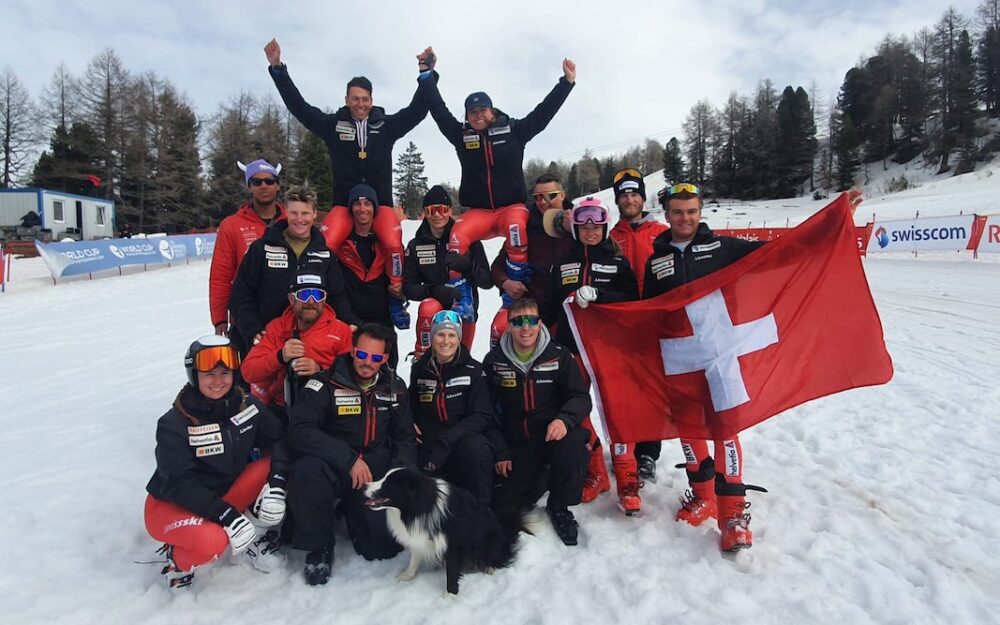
[(450, 401), (339, 132), (492, 160), (260, 291), (528, 396), (202, 446), (333, 419), (425, 273), (543, 250), (595, 265), (668, 267)]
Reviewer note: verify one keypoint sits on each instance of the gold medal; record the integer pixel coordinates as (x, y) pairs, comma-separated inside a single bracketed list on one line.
[(362, 155)]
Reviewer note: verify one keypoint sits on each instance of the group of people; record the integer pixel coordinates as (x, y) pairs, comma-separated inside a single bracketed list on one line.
[(294, 404)]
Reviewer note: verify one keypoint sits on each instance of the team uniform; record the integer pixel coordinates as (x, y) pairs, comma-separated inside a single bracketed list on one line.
[(360, 152), (265, 368), (204, 478), (528, 396), (260, 292), (492, 185), (425, 279), (236, 233), (717, 487), (333, 423), (458, 433), (366, 282)]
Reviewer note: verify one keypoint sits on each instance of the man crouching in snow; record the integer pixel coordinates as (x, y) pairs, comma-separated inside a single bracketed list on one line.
[(204, 479)]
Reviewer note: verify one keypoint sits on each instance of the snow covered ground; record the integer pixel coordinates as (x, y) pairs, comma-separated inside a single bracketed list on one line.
[(884, 503)]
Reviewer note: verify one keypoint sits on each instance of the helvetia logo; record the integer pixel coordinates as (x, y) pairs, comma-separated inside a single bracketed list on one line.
[(882, 237), (165, 250)]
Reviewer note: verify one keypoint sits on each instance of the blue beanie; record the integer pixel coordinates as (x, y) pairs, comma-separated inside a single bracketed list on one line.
[(359, 191), (477, 99)]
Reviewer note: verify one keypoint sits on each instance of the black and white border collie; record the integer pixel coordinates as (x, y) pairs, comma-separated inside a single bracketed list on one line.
[(440, 522)]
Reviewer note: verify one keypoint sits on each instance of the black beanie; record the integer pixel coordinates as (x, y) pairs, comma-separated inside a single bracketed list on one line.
[(630, 182), (437, 195), (359, 191)]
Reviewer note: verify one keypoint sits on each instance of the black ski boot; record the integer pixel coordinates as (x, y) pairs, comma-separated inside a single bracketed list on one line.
[(564, 524), (647, 468), (318, 565)]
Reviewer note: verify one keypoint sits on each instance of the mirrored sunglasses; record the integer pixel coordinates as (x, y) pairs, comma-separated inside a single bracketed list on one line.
[(211, 357), (256, 182), (684, 187), (449, 316), (363, 355), (634, 173), (521, 320)]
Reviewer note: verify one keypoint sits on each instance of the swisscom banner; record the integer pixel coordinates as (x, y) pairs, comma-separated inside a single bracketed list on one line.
[(991, 235), (931, 233), (71, 259)]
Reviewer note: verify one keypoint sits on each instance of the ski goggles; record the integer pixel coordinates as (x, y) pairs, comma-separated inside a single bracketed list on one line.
[(256, 182), (630, 172), (446, 316), (310, 293), (524, 320), (363, 355), (437, 209), (548, 197), (589, 213), (212, 356), (684, 187)]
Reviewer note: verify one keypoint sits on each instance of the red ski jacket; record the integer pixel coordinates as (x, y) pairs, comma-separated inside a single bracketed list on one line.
[(234, 237), (636, 242), (264, 369)]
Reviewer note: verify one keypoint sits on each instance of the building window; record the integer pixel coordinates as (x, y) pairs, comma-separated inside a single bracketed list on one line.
[(57, 211), (100, 215)]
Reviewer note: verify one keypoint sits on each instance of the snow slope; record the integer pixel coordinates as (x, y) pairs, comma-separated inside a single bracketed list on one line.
[(884, 503)]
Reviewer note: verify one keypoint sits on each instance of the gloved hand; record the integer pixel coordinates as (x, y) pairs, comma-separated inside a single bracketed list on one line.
[(585, 295), (239, 529), (270, 506), (461, 263), (445, 294)]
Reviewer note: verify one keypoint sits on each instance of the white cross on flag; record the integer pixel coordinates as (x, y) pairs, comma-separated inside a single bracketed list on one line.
[(788, 323)]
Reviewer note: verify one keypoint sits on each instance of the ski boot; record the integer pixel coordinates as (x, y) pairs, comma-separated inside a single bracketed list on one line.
[(647, 468), (176, 578), (465, 304), (699, 504), (597, 480), (734, 523), (318, 566), (565, 525), (628, 485), (397, 310), (264, 554)]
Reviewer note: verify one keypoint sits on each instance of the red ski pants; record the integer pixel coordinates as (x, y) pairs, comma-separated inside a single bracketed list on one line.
[(476, 224), (339, 223), (197, 540), (728, 457)]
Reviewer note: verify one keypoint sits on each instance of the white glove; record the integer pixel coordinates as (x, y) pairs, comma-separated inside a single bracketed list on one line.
[(585, 295), (270, 506), (241, 534)]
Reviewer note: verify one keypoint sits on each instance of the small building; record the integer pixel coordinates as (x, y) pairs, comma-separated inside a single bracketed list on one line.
[(65, 214)]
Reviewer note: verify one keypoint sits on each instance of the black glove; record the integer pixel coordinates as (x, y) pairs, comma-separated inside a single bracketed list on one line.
[(438, 457), (461, 263)]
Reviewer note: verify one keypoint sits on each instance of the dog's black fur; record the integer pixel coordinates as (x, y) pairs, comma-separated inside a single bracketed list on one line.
[(439, 522)]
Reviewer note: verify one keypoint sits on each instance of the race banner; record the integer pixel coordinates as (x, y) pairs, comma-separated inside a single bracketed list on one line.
[(924, 234), (990, 241), (80, 257)]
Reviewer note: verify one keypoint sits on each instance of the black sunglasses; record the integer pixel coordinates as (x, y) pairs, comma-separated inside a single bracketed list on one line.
[(256, 182)]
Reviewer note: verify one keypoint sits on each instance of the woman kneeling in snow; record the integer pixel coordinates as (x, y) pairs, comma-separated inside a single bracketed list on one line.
[(204, 477)]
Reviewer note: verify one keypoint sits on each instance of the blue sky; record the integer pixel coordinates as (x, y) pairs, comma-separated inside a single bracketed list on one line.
[(641, 65)]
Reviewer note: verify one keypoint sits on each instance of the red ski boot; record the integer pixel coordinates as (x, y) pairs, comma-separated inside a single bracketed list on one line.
[(698, 504), (597, 480), (628, 485), (734, 523)]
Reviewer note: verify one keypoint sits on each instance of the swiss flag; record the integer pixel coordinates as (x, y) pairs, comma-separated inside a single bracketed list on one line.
[(790, 322)]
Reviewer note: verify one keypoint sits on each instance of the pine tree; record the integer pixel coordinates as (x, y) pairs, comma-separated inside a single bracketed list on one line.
[(988, 61), (230, 141), (73, 155), (312, 166), (17, 120), (178, 194), (673, 162), (410, 182), (844, 142), (699, 127), (965, 104), (102, 93)]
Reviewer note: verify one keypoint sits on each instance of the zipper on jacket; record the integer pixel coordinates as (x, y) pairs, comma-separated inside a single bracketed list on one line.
[(488, 155)]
